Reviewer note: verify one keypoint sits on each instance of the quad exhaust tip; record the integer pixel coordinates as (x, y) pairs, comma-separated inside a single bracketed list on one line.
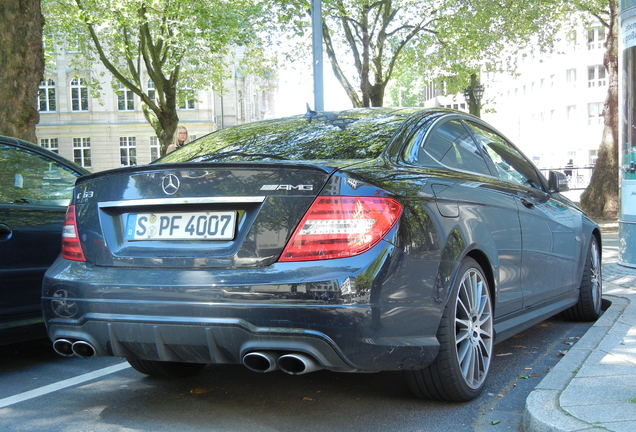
[(63, 347), (260, 362), (67, 348), (83, 349), (297, 364)]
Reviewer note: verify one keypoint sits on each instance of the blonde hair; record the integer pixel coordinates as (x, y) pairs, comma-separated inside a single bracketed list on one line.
[(175, 141)]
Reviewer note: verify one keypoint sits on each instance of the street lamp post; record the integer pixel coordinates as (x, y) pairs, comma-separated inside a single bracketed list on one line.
[(473, 94), (316, 23)]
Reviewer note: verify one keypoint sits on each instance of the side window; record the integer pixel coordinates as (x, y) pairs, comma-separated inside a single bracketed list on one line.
[(29, 178), (510, 163), (451, 144)]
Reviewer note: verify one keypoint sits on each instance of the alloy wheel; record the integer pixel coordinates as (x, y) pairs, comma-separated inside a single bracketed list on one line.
[(473, 328), (595, 276)]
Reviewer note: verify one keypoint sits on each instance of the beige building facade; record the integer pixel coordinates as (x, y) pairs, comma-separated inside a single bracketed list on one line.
[(107, 129)]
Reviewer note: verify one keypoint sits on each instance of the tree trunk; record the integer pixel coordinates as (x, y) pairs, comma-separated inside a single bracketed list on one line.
[(376, 95), (166, 120), (600, 199), (21, 67)]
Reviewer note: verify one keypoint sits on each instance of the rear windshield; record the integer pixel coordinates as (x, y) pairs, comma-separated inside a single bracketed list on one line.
[(357, 134)]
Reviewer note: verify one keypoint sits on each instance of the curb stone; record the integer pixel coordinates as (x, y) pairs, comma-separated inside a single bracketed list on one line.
[(543, 412)]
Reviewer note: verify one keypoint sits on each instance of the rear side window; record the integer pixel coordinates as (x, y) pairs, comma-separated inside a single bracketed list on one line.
[(510, 163), (451, 144), (30, 178)]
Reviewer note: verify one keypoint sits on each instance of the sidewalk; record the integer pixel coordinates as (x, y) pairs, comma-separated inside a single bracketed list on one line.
[(593, 387)]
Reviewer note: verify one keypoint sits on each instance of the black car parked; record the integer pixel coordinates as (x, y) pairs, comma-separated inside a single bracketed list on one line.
[(35, 189), (365, 240)]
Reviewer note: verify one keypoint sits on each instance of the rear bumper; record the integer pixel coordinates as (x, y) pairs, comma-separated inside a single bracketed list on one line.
[(338, 314)]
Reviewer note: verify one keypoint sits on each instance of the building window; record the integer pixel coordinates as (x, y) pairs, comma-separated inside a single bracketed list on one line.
[(571, 38), (596, 76), (125, 99), (570, 76), (50, 144), (595, 113), (154, 148), (128, 151), (82, 151), (595, 38), (593, 157), (187, 103), (79, 95), (46, 96), (152, 92), (570, 112)]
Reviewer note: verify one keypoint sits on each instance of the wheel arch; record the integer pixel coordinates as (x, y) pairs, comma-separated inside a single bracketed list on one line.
[(597, 233), (484, 263)]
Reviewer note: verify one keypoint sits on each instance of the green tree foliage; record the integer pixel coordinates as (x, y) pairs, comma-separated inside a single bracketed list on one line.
[(488, 35), (177, 44), (370, 42)]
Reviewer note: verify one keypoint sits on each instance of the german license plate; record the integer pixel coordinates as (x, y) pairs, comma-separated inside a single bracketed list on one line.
[(181, 226)]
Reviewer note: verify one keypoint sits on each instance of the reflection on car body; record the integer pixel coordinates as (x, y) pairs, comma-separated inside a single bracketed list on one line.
[(419, 237), (35, 187)]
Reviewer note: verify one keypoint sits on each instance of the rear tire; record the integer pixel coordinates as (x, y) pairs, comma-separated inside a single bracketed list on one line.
[(465, 335), (588, 308), (164, 369)]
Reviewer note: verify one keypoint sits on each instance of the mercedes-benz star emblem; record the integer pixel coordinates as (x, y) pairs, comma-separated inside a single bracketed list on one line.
[(170, 184)]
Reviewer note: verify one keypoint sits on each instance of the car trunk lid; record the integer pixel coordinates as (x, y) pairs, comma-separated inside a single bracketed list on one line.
[(208, 215)]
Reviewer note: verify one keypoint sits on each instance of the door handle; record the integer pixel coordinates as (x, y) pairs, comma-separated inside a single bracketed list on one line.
[(526, 203), (5, 232)]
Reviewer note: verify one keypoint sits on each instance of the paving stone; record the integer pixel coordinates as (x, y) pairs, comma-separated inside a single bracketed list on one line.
[(595, 391), (628, 426), (604, 413), (603, 364)]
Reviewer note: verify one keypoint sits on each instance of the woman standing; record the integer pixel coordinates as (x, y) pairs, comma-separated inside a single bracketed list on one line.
[(180, 139)]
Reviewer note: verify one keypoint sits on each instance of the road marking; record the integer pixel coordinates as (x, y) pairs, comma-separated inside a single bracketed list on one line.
[(41, 391)]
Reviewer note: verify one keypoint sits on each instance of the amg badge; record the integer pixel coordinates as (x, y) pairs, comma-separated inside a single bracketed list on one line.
[(287, 187)]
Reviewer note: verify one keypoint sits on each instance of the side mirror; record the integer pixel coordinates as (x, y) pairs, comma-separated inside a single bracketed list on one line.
[(557, 182)]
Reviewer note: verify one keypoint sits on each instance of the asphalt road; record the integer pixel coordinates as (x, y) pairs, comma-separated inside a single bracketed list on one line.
[(235, 399), (40, 391)]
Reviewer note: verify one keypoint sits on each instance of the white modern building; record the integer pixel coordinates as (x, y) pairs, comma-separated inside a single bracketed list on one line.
[(108, 130), (552, 108)]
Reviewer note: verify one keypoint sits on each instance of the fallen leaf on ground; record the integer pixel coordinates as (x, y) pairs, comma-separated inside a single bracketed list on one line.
[(495, 422), (503, 354), (199, 391), (519, 346), (307, 398), (534, 374)]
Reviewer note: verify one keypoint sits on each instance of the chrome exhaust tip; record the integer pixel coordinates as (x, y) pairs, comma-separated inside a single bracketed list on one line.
[(83, 349), (297, 364), (260, 362), (63, 347)]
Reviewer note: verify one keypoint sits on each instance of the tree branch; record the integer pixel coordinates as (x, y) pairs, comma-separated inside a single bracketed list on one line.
[(353, 95)]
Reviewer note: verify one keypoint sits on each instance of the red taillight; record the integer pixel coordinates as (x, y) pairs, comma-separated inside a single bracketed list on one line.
[(71, 247), (341, 226)]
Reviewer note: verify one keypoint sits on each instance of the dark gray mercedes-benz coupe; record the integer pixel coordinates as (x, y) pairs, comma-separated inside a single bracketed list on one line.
[(357, 241)]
